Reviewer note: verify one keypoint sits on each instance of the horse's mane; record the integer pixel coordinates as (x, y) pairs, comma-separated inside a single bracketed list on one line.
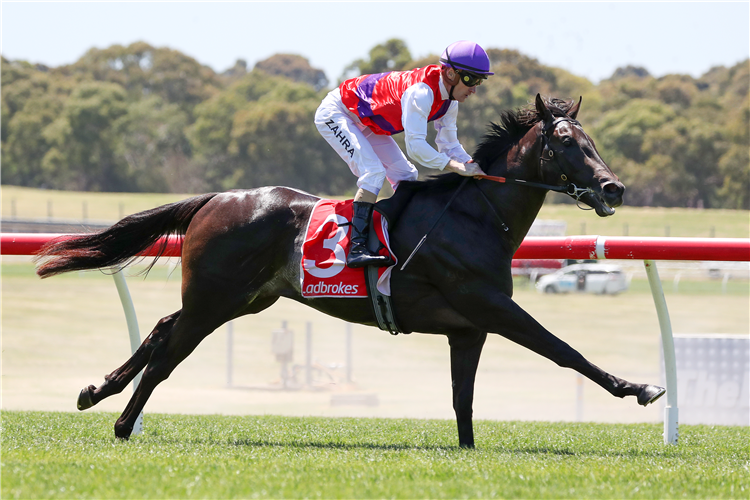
[(514, 124)]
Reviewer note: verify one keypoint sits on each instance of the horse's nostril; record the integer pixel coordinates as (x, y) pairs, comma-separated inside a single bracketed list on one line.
[(612, 188)]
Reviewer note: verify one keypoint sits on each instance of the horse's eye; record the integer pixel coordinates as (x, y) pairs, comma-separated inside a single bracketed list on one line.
[(567, 141)]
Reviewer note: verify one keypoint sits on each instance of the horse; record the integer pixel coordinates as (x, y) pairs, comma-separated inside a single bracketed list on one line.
[(241, 252)]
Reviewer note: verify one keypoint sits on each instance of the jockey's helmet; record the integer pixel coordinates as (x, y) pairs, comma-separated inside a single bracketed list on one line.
[(467, 56)]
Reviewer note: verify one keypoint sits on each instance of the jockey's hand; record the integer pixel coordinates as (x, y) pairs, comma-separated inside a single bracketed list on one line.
[(468, 169)]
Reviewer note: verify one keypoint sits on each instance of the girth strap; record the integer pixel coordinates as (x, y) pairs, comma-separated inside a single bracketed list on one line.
[(381, 304)]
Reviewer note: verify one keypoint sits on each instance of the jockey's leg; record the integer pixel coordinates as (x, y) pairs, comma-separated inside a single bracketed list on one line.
[(351, 140), (397, 167), (365, 196)]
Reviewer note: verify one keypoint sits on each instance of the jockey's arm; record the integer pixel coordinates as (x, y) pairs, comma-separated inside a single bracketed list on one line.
[(447, 135), (415, 108)]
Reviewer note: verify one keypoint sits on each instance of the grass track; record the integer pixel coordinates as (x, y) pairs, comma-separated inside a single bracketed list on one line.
[(70, 455)]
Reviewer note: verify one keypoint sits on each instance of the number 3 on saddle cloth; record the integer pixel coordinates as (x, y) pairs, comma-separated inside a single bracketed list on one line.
[(323, 266)]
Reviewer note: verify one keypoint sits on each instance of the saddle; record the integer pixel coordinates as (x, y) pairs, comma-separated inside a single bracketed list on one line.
[(323, 271)]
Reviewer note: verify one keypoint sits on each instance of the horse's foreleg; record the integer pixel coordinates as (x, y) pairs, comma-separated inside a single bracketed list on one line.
[(465, 352), (508, 319), (116, 381)]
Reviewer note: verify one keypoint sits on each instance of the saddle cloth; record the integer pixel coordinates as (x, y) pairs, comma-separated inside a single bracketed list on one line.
[(323, 271)]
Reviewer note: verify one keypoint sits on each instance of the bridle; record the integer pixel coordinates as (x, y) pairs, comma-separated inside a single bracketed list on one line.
[(549, 155)]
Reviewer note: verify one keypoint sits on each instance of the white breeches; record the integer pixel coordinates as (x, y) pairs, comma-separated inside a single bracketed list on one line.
[(371, 157)]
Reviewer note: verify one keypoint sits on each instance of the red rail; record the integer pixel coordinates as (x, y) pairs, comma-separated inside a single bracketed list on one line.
[(571, 247), (606, 247), (30, 243)]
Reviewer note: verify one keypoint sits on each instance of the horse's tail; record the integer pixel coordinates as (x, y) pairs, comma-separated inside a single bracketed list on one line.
[(121, 243)]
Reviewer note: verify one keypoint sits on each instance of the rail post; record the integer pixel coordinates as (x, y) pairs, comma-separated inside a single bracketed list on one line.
[(671, 431), (135, 337)]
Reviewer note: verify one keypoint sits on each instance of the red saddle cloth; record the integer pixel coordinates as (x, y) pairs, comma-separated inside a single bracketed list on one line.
[(323, 271)]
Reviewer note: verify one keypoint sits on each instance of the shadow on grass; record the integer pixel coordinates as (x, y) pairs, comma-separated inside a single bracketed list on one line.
[(495, 449), (532, 450), (549, 450), (260, 443)]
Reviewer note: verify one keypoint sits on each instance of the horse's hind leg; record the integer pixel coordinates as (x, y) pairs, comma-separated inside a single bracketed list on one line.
[(188, 331), (183, 339), (116, 381)]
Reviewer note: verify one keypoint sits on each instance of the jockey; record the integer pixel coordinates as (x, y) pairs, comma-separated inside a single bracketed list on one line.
[(358, 118)]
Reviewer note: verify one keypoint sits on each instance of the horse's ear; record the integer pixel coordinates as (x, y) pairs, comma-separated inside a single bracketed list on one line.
[(573, 113), (543, 111)]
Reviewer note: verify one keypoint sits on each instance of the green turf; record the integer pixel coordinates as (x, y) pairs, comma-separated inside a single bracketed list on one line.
[(71, 455)]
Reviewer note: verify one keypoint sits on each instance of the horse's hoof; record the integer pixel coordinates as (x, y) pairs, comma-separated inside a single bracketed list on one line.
[(122, 431), (84, 398), (649, 394)]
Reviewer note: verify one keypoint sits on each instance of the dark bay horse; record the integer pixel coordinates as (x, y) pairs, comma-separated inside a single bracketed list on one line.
[(241, 252)]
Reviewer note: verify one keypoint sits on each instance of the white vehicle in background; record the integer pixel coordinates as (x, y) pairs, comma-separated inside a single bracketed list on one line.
[(586, 278)]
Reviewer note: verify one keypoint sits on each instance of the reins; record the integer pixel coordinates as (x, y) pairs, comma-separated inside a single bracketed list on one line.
[(521, 182), (570, 189)]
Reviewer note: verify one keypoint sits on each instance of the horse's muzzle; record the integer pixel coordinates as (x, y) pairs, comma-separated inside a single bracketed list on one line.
[(605, 201), (612, 193)]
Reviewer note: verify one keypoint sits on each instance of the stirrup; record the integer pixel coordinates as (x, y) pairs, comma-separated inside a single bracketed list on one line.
[(359, 256)]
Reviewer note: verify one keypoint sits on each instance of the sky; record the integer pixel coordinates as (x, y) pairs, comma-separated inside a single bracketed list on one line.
[(589, 39)]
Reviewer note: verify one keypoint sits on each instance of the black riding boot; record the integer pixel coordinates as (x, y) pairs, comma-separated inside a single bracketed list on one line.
[(359, 256)]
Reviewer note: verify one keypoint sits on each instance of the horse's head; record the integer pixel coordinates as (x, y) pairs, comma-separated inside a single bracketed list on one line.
[(569, 157)]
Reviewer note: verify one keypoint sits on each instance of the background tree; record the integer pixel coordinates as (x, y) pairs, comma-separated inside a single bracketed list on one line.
[(32, 98), (235, 72), (82, 154), (152, 142), (295, 68), (143, 70), (734, 165), (25, 147), (144, 118), (260, 131)]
